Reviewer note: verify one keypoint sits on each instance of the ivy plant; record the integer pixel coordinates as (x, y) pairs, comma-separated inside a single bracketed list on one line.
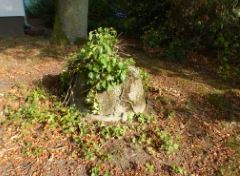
[(101, 64)]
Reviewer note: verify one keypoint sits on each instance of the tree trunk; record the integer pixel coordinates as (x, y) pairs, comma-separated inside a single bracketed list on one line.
[(71, 21)]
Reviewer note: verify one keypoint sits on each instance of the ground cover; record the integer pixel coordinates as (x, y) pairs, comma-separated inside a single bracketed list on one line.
[(191, 126)]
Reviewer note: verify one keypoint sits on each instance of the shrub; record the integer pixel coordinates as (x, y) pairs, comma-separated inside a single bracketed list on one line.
[(128, 16), (175, 51), (154, 38), (208, 24), (99, 62)]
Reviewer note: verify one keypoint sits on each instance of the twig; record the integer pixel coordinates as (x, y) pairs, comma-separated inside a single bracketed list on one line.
[(69, 91)]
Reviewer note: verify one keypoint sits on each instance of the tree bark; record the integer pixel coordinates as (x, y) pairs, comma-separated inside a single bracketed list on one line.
[(71, 21)]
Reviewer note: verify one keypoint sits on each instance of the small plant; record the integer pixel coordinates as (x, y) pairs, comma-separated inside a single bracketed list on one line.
[(92, 101), (70, 121), (112, 131), (150, 150), (145, 78), (28, 150), (143, 118), (167, 142), (95, 171), (31, 111), (142, 139), (170, 114), (150, 168), (88, 148), (25, 149), (179, 170)]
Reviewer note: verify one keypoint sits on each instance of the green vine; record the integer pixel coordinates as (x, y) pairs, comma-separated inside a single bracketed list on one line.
[(99, 61)]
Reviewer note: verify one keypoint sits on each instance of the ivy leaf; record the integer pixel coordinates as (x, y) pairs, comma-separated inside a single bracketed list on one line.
[(122, 77), (98, 87), (110, 78), (107, 48), (91, 75), (109, 68), (105, 84), (104, 61)]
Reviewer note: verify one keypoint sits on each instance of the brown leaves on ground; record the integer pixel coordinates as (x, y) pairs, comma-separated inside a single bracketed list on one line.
[(187, 104)]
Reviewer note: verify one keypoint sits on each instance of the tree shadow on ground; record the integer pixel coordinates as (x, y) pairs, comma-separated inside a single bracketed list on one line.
[(222, 106), (227, 105), (203, 73), (221, 101)]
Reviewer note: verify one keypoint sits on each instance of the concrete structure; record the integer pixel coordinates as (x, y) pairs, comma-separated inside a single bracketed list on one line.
[(12, 16)]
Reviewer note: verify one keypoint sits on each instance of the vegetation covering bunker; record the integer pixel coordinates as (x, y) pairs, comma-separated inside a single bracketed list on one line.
[(103, 83), (120, 103)]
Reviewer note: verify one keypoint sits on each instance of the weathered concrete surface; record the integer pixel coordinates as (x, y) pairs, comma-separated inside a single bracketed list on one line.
[(73, 15), (117, 104)]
